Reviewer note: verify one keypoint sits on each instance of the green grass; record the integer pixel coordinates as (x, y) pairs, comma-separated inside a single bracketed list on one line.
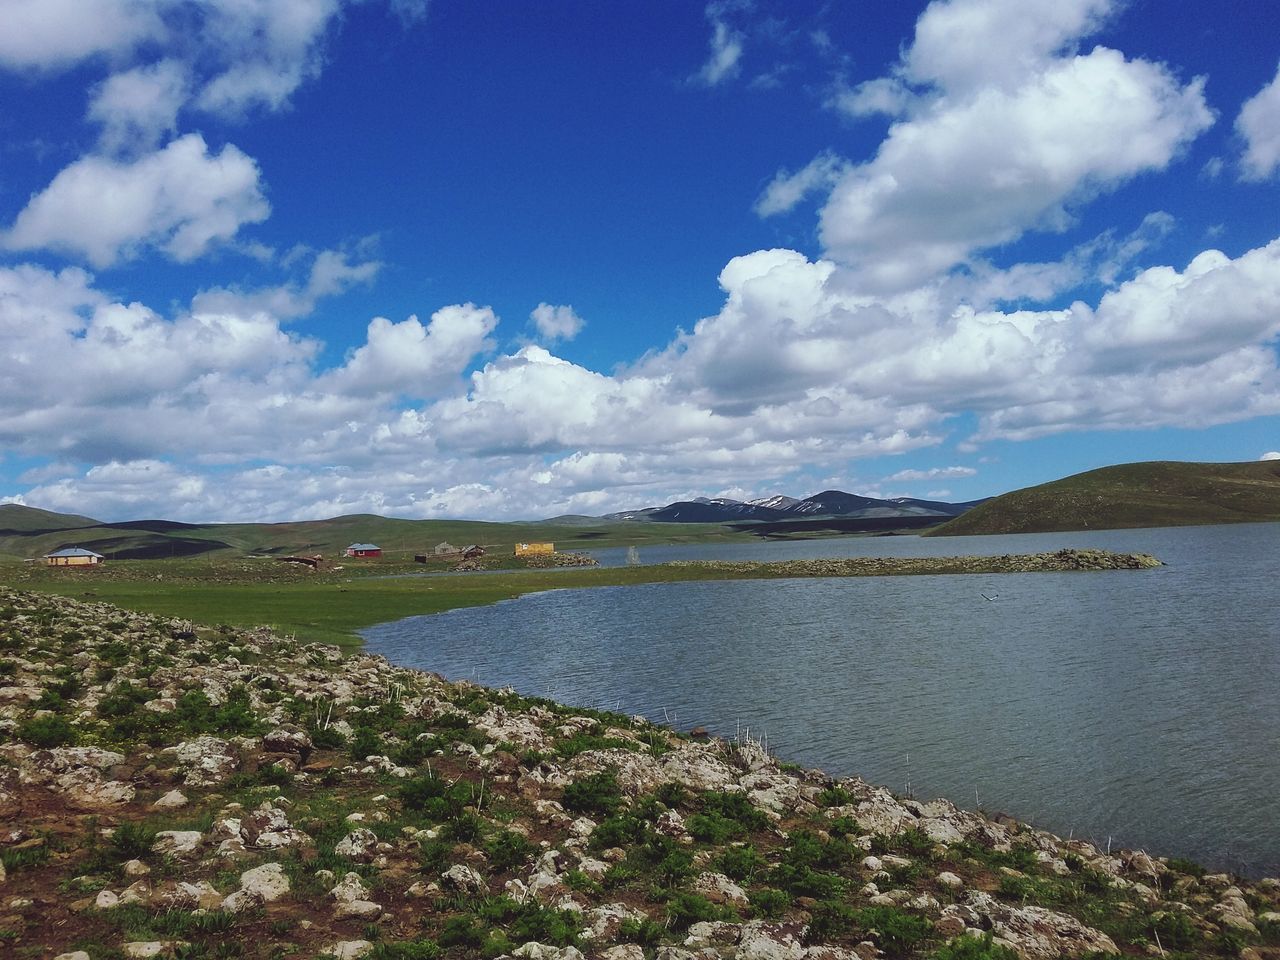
[(1156, 494)]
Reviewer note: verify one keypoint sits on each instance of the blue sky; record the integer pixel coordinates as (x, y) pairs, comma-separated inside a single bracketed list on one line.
[(276, 259)]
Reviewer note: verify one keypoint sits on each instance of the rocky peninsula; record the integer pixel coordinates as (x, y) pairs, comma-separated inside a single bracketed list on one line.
[(170, 789)]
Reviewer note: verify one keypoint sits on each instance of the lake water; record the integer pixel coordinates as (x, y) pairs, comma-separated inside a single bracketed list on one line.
[(1140, 709)]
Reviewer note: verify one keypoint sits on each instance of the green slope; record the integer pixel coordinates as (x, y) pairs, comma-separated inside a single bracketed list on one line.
[(1156, 494), (27, 532), (18, 519)]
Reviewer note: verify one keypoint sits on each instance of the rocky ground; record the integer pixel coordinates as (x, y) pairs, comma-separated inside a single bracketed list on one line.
[(1057, 561), (170, 790)]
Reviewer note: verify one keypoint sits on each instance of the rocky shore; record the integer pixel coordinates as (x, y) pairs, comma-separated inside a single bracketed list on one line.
[(1058, 561), (183, 791)]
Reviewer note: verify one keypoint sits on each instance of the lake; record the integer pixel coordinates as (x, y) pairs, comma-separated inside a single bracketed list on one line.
[(1137, 709)]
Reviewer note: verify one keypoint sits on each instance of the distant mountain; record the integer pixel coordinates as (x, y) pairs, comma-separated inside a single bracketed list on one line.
[(1155, 494), (780, 508)]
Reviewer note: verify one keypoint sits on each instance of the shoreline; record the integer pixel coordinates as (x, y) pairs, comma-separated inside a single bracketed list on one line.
[(267, 782), (333, 608)]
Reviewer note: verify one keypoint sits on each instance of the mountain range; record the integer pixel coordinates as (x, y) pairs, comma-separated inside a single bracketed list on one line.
[(828, 503)]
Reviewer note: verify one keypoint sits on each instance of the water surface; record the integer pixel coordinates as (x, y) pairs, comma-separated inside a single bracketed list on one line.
[(1136, 708)]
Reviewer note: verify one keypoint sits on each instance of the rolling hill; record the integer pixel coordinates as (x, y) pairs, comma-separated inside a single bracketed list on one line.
[(30, 532), (1155, 494)]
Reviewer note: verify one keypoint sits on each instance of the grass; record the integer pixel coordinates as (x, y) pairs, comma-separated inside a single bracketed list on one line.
[(332, 607), (1157, 494)]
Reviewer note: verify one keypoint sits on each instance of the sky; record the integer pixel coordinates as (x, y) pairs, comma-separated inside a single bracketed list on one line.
[(290, 259)]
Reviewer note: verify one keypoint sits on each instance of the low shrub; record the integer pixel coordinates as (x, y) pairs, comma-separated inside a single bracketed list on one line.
[(50, 730), (597, 794)]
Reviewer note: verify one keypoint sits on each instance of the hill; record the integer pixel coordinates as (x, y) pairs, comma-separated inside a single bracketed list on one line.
[(29, 532), (1155, 494)]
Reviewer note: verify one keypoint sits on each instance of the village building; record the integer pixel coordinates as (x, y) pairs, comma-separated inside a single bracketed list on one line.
[(533, 549), (73, 557), (363, 550)]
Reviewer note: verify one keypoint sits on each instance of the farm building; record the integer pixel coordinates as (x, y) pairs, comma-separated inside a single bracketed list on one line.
[(532, 549), (73, 557), (444, 548), (471, 552), (363, 550)]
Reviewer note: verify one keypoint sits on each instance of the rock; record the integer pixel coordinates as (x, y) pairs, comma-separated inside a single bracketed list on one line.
[(950, 880), (358, 845), (350, 888), (106, 900), (760, 940), (623, 951), (74, 955), (358, 910), (152, 948), (348, 949), (201, 895), (177, 843), (1040, 934), (872, 864), (542, 951), (718, 888), (170, 801), (268, 828), (135, 868), (206, 761), (464, 879), (262, 884), (288, 739)]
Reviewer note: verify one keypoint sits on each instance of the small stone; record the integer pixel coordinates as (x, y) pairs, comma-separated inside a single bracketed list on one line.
[(171, 801), (872, 864), (349, 949), (74, 955), (950, 880), (135, 868)]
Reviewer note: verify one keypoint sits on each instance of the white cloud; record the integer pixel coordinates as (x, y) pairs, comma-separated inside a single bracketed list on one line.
[(1270, 455), (51, 34), (331, 272), (138, 107), (409, 358), (556, 322), (180, 200), (933, 473), (727, 45), (1259, 126), (1001, 162), (967, 45), (787, 189)]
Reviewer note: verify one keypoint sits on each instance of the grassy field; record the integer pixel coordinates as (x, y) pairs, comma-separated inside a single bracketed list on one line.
[(1156, 494), (330, 606)]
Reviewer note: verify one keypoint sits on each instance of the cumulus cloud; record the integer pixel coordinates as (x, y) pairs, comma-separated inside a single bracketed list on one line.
[(52, 34), (180, 200), (1001, 162), (556, 322), (1270, 455), (1259, 126), (138, 107), (413, 359)]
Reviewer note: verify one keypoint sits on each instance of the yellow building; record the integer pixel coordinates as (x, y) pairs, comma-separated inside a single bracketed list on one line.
[(72, 557), (530, 549)]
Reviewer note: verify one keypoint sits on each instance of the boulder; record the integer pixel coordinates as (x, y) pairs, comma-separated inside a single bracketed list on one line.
[(359, 845), (177, 843), (288, 739), (1037, 933), (206, 761)]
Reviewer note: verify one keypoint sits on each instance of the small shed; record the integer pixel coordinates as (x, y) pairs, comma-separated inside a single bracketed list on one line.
[(363, 550), (73, 557), (472, 552), (444, 549), (533, 549)]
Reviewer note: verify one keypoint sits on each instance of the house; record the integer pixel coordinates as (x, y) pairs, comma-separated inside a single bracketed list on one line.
[(363, 550), (73, 557), (444, 549), (532, 549), (472, 552)]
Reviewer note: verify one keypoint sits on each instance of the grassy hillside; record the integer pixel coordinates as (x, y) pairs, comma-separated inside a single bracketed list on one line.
[(27, 532), (1156, 494)]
